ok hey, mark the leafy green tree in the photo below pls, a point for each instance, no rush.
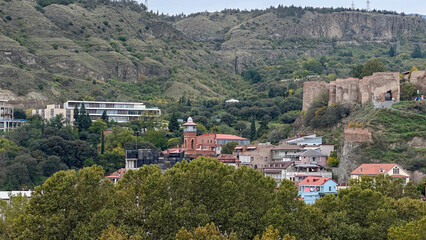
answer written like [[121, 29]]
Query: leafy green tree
[[417, 52], [51, 165], [68, 205], [240, 126], [415, 230], [251, 75], [19, 114], [372, 66], [173, 123], [98, 126], [290, 116], [173, 142], [158, 138], [314, 66], [408, 91], [356, 71], [229, 148]]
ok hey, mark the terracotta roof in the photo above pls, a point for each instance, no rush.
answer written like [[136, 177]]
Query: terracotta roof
[[173, 150], [373, 168], [317, 181], [226, 157], [229, 137]]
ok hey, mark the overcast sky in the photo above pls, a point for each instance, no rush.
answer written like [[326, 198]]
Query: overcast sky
[[192, 6]]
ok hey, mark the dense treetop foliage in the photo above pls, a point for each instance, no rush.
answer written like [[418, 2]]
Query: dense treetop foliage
[[206, 198]]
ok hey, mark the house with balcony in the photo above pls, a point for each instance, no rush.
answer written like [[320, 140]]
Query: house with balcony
[[374, 169], [306, 139], [228, 159], [313, 188], [137, 158], [294, 172], [312, 157], [7, 121]]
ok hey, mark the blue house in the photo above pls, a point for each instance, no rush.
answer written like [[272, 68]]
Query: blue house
[[312, 188]]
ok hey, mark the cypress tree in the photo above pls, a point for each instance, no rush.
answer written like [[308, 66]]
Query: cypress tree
[[417, 52], [102, 143], [173, 124], [105, 117], [84, 121], [252, 130], [76, 114]]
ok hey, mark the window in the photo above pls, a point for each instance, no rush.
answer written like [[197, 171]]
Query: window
[[396, 171], [329, 188]]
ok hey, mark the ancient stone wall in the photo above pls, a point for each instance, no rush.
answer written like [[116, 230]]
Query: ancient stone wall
[[353, 90], [311, 90], [357, 135], [383, 82], [347, 90], [418, 78]]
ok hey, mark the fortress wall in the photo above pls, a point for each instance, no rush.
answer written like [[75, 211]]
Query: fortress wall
[[347, 90], [418, 78], [357, 135], [381, 83], [311, 90], [364, 90]]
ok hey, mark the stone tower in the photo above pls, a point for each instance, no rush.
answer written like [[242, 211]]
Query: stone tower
[[189, 135]]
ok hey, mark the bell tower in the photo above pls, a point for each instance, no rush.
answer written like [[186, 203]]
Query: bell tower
[[189, 135]]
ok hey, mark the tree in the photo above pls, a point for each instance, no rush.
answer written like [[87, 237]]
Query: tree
[[408, 91], [76, 115], [51, 165], [227, 118], [104, 117], [253, 135], [229, 148], [372, 66], [290, 116], [415, 230], [240, 126], [392, 51], [356, 71], [314, 66], [19, 114], [173, 123], [251, 75], [83, 120], [158, 138], [98, 126], [417, 52]]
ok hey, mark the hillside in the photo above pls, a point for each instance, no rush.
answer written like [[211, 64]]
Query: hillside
[[118, 51]]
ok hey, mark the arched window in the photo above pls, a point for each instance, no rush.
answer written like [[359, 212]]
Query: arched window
[[185, 143], [192, 143]]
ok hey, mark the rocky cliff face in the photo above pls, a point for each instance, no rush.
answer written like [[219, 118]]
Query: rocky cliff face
[[58, 48]]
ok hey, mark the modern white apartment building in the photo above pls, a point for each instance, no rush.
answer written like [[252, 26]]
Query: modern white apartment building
[[120, 112], [7, 121]]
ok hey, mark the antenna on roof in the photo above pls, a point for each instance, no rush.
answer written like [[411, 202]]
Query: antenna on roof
[[353, 5], [368, 5]]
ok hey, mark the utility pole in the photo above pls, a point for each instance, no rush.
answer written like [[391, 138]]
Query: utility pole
[[146, 4], [368, 5], [353, 5]]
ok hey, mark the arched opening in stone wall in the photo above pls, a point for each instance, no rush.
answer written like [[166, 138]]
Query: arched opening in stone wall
[[388, 96], [192, 144]]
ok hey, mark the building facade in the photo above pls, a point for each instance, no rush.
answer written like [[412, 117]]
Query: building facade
[[119, 112], [313, 188], [7, 121], [374, 169]]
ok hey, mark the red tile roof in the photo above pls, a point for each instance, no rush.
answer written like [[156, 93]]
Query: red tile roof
[[317, 181], [229, 137], [373, 168]]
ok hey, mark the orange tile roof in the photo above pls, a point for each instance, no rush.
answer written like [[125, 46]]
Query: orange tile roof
[[317, 181], [373, 168], [229, 137]]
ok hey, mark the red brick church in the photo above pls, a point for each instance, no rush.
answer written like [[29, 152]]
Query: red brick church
[[207, 144]]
